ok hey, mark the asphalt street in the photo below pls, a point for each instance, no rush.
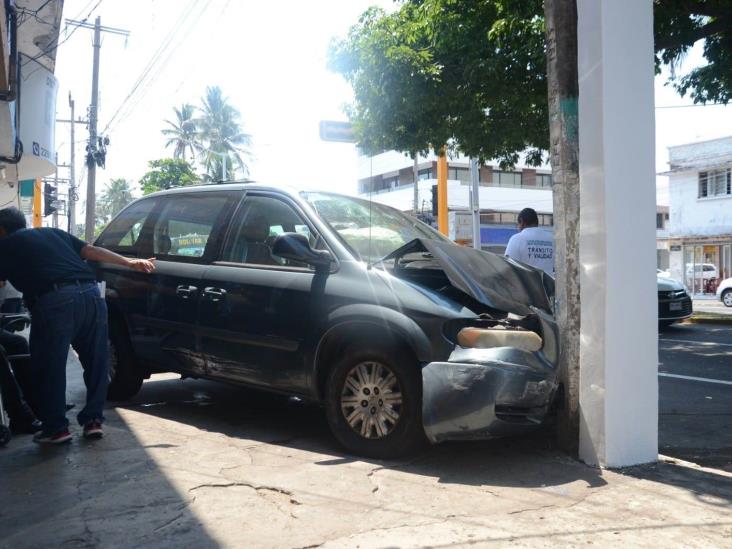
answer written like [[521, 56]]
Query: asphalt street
[[695, 393]]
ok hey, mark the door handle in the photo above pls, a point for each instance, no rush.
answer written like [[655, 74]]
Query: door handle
[[185, 292], [214, 294]]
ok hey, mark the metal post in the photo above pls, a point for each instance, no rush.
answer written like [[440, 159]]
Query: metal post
[[223, 167], [442, 222], [416, 185], [91, 163], [54, 215], [475, 202], [71, 199]]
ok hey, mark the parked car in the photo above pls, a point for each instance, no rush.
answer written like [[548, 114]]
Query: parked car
[[674, 301], [705, 271], [401, 334], [724, 291], [665, 274]]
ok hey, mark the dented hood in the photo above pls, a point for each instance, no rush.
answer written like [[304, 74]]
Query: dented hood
[[494, 280]]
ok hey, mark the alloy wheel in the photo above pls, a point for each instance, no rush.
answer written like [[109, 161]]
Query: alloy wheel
[[371, 400], [727, 298]]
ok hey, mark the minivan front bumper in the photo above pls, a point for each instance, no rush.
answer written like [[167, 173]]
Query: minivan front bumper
[[469, 399]]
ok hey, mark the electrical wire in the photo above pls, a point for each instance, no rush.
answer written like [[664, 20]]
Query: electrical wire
[[144, 80]]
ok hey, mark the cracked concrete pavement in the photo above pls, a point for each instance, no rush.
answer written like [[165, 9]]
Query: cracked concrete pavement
[[198, 464]]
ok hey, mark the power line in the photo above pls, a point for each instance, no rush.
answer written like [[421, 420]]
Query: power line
[[142, 84]]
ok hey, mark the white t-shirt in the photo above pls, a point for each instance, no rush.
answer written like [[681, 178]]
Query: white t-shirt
[[534, 246]]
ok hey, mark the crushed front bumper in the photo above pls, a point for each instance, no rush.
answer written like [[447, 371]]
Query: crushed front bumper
[[486, 393]]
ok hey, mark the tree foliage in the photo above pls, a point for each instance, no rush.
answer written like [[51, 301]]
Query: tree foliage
[[182, 134], [211, 133], [168, 173], [472, 73], [115, 196], [679, 24]]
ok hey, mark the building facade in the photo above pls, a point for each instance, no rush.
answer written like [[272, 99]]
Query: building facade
[[388, 178], [700, 213]]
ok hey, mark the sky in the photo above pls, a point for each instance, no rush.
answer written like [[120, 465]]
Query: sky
[[269, 58]]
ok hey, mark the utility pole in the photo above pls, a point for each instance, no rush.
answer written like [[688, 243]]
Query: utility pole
[[71, 206], [563, 85], [91, 156], [91, 197], [54, 215], [442, 222], [73, 195]]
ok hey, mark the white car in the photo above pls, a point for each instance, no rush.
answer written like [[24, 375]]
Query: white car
[[664, 274], [724, 291], [704, 271]]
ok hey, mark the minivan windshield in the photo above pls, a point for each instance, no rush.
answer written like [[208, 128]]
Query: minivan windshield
[[372, 230]]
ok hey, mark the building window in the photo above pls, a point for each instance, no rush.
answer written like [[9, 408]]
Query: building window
[[659, 221], [459, 174], [507, 179], [425, 174], [546, 220], [715, 183], [544, 180]]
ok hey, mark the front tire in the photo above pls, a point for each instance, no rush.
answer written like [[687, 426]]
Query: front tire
[[727, 298], [374, 403], [125, 378]]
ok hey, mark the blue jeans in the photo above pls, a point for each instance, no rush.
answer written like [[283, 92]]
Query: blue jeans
[[73, 315]]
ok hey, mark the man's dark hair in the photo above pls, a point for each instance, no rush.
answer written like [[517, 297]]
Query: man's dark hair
[[12, 219], [528, 217]]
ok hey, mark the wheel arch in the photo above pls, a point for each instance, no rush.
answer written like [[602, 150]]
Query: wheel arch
[[367, 324]]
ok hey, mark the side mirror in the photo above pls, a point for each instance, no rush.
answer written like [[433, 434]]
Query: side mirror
[[296, 247]]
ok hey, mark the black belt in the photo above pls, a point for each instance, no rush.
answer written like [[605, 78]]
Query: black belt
[[58, 285]]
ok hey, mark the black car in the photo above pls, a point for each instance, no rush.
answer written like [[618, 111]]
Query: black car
[[401, 334]]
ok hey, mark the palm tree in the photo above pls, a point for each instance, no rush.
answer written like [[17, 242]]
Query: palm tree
[[221, 135], [115, 196], [182, 134]]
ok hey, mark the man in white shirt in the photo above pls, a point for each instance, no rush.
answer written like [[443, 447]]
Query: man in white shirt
[[532, 245]]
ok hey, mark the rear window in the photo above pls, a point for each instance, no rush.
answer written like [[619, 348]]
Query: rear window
[[123, 232]]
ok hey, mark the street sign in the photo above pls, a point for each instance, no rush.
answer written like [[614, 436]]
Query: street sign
[[341, 132]]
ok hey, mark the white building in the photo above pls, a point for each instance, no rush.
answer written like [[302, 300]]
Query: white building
[[700, 204], [388, 178]]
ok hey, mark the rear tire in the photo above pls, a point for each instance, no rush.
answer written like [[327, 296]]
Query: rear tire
[[386, 427], [125, 379]]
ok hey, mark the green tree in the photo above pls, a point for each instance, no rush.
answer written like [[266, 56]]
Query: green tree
[[182, 134], [116, 195], [167, 173], [221, 135], [679, 24], [472, 74]]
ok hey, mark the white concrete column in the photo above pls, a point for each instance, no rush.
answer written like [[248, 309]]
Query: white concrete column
[[619, 353]]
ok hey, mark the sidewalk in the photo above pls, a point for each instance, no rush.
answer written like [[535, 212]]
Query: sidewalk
[[199, 464]]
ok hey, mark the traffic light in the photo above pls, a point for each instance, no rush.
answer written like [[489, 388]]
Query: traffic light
[[50, 198], [434, 200]]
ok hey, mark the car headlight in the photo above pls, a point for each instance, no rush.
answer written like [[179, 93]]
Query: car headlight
[[487, 338]]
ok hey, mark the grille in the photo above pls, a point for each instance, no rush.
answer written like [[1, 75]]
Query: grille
[[672, 294]]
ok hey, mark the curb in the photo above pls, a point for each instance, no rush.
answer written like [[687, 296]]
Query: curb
[[709, 319]]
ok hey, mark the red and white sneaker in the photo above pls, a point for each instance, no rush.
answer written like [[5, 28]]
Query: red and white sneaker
[[93, 429], [56, 438]]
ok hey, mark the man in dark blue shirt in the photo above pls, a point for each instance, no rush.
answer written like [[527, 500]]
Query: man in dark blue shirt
[[48, 266]]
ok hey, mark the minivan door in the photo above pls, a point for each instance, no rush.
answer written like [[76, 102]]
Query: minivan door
[[184, 238], [258, 312]]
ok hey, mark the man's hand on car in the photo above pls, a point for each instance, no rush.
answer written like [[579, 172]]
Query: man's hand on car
[[142, 265]]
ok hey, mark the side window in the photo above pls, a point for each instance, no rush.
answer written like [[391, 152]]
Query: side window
[[257, 226], [185, 224], [123, 233]]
